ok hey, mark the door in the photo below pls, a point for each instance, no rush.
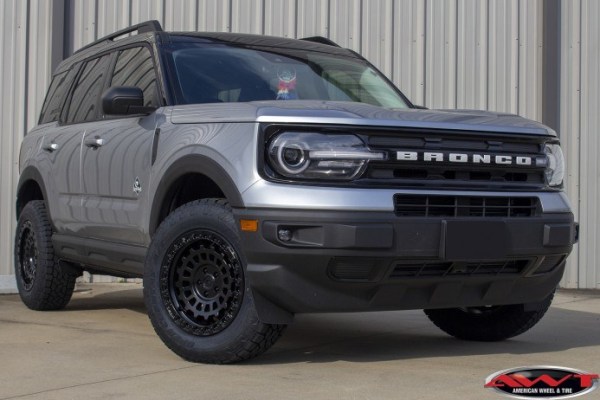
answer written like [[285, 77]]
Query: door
[[59, 158], [116, 158], [63, 144]]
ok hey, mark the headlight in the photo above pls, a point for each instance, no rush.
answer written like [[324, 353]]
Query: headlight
[[306, 155], [555, 170]]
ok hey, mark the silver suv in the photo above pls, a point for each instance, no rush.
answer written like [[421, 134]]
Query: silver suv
[[249, 178]]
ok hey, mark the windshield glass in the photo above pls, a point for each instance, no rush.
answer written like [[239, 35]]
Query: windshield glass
[[213, 73]]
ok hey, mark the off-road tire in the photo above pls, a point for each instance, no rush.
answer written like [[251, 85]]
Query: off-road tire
[[489, 324], [203, 228], [42, 282]]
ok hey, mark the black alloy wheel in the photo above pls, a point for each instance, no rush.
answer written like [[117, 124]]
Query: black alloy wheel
[[27, 255], [203, 284]]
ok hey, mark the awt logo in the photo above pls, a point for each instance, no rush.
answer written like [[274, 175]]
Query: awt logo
[[542, 382]]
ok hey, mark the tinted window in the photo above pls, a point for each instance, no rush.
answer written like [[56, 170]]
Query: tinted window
[[86, 95], [221, 73], [135, 68], [56, 94]]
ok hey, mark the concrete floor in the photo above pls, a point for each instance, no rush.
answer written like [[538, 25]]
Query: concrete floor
[[103, 347]]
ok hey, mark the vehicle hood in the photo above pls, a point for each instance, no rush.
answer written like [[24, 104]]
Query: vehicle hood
[[347, 113]]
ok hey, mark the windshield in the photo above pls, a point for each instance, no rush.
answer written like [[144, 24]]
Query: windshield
[[213, 73]]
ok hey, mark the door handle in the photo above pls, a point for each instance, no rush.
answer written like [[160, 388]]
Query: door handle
[[52, 147], [94, 143]]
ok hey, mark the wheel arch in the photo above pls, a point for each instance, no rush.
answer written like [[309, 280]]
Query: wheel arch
[[191, 165], [30, 187]]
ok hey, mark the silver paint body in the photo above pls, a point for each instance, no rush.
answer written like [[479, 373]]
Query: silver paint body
[[90, 190]]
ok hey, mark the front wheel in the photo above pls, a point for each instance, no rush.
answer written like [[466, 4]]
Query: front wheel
[[195, 291], [489, 324]]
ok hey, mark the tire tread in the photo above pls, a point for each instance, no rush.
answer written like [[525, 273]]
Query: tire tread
[[57, 285], [507, 322]]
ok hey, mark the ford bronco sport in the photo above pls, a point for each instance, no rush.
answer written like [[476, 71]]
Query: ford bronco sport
[[249, 178]]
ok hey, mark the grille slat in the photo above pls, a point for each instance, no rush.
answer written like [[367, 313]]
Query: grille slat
[[453, 142], [440, 269], [464, 206]]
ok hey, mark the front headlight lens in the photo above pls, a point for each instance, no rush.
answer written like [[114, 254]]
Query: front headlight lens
[[555, 170], [309, 155]]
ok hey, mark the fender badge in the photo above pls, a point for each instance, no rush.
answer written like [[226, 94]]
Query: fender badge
[[137, 186]]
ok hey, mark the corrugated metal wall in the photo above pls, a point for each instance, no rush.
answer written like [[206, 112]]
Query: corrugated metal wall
[[580, 121], [29, 49], [441, 53], [13, 21]]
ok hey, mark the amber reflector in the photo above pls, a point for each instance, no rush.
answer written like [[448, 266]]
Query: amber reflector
[[249, 225]]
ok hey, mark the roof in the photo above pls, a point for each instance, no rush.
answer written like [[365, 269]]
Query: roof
[[246, 39], [151, 31]]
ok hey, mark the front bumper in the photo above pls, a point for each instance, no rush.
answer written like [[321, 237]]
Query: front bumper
[[357, 261]]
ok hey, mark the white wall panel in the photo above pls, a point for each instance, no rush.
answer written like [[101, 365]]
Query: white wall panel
[[503, 55], [441, 53], [112, 15], [472, 54], [377, 27], [247, 16], [181, 15], [84, 20], [589, 191], [408, 58], [13, 86], [214, 15], [312, 18], [529, 86], [44, 52], [280, 18], [144, 10], [345, 23], [569, 120]]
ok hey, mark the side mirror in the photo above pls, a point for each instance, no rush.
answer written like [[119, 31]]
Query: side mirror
[[420, 107], [124, 100]]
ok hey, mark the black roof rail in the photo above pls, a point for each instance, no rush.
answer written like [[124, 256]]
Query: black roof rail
[[144, 27], [321, 40]]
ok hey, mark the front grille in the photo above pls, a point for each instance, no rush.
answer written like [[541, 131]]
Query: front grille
[[445, 173], [464, 206], [449, 176], [439, 269]]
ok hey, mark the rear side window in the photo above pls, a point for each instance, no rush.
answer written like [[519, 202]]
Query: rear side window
[[56, 94], [135, 67], [86, 95]]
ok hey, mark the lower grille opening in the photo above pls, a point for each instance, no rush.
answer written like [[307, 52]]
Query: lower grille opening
[[439, 269], [351, 270], [464, 206], [549, 263]]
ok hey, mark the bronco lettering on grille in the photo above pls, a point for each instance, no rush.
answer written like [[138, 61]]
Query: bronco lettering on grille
[[433, 157]]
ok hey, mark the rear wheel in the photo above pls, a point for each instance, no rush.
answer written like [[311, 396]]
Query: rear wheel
[[42, 282], [489, 324], [195, 291]]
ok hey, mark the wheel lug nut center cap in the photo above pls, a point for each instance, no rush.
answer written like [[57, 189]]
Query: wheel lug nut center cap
[[208, 282]]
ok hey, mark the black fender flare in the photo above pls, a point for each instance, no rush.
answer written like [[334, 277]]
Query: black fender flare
[[31, 173], [192, 163]]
